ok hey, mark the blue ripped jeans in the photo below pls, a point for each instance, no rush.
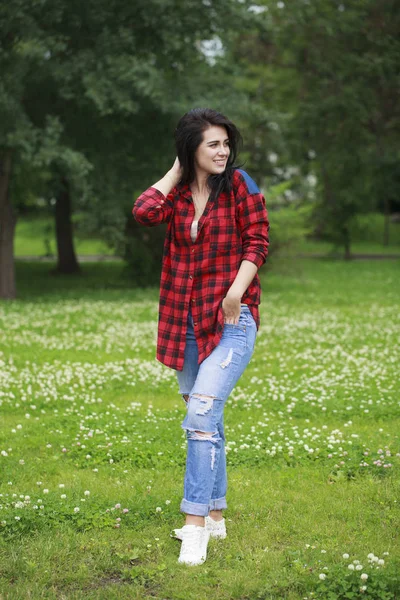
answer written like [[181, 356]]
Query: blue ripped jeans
[[208, 386]]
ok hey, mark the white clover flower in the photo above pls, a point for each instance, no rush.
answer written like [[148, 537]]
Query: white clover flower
[[168, 502], [364, 576], [381, 561], [45, 491], [363, 588], [63, 496], [17, 518], [87, 493], [359, 567], [351, 567], [322, 576], [371, 556], [346, 556], [158, 509], [61, 485], [76, 509]]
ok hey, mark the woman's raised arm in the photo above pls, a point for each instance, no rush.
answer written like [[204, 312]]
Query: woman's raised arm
[[155, 205]]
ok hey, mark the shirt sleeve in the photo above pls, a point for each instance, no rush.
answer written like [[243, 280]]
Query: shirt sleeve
[[253, 220], [153, 208]]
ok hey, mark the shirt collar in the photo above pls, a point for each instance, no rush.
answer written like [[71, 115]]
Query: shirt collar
[[184, 190]]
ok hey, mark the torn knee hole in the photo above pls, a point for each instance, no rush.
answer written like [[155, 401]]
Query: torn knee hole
[[205, 433], [205, 403], [203, 436]]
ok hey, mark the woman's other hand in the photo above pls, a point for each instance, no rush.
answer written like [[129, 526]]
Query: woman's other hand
[[231, 309]]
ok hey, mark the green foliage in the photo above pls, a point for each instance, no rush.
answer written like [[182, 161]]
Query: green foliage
[[373, 581], [321, 81], [369, 227]]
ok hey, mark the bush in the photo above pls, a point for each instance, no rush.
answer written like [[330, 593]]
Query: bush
[[143, 251], [369, 227], [289, 227]]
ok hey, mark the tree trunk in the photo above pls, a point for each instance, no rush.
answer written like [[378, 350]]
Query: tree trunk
[[67, 261], [386, 212], [347, 244], [7, 228]]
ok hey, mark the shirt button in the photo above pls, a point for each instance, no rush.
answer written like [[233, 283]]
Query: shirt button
[[192, 250], [192, 301], [195, 323], [190, 276]]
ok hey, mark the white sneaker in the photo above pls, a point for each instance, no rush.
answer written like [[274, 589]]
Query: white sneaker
[[194, 545], [217, 529]]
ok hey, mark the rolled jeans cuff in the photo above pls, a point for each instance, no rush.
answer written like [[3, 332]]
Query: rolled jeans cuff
[[194, 508], [218, 504]]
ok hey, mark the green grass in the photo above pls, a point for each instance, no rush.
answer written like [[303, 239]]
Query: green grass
[[35, 236], [85, 404], [310, 247]]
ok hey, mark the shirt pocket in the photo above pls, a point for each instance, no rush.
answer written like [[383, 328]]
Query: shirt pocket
[[224, 235]]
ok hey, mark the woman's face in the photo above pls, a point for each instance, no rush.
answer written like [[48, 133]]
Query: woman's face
[[212, 154]]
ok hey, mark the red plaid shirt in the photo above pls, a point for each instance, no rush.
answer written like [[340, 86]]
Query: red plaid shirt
[[198, 275]]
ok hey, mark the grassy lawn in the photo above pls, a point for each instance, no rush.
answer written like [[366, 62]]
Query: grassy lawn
[[35, 236], [310, 247], [92, 452]]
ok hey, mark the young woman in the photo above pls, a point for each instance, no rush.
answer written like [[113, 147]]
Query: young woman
[[217, 239]]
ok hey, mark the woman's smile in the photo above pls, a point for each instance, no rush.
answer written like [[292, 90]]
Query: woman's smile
[[213, 152]]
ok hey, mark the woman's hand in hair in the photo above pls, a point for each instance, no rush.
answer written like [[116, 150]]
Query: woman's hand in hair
[[176, 171], [231, 309], [170, 179]]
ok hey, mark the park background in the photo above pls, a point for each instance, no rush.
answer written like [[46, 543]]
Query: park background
[[92, 453]]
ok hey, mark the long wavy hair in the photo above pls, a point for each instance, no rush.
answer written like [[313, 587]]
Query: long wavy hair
[[188, 137]]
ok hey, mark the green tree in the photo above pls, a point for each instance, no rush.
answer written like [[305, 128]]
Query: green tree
[[76, 73], [323, 81]]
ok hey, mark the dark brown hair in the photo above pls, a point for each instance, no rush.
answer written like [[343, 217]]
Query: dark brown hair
[[188, 137]]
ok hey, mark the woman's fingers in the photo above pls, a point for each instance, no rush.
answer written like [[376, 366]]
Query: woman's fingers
[[176, 167], [231, 311]]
